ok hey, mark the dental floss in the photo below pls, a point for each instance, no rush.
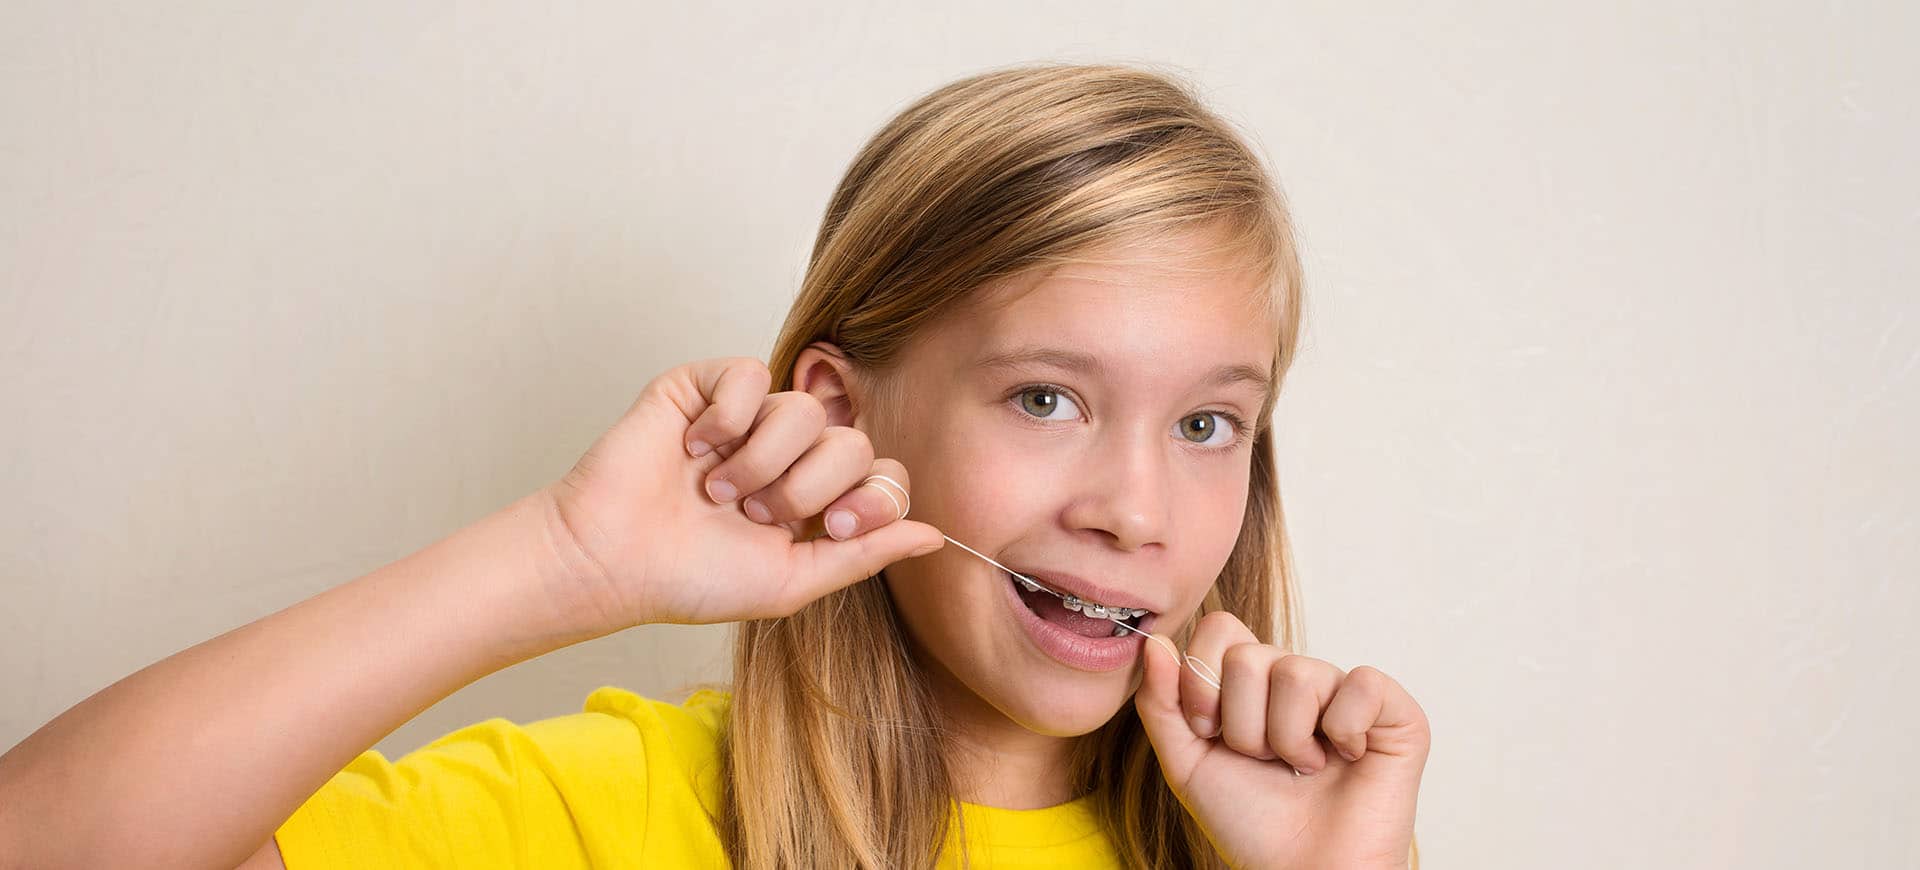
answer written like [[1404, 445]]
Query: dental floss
[[1200, 668]]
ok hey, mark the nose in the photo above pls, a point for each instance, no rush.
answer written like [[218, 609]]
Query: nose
[[1126, 484]]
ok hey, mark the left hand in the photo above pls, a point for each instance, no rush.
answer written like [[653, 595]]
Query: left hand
[[1358, 740]]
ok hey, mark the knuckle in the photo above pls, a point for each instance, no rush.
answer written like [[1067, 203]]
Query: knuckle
[[803, 404], [1368, 678], [1293, 670], [1421, 725], [1242, 661], [1302, 667], [851, 439], [750, 366], [1217, 620]]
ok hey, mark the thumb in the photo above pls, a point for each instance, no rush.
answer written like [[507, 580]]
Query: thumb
[[823, 564], [1158, 703]]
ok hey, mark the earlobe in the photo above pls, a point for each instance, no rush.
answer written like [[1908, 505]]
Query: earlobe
[[824, 372]]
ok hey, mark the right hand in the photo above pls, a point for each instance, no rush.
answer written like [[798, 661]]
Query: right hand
[[666, 542]]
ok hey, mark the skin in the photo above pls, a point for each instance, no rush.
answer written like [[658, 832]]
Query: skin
[[1106, 484], [708, 476], [1102, 484]]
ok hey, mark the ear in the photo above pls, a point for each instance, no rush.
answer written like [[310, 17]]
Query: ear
[[824, 372]]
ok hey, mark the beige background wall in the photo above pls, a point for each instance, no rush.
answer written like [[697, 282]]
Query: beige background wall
[[1602, 440]]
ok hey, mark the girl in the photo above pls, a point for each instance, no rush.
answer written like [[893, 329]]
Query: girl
[[1047, 317]]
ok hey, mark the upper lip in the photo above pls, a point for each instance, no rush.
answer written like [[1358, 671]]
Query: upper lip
[[1084, 589]]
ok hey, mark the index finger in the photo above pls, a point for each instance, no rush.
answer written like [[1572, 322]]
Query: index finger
[[733, 390], [1199, 699], [880, 499]]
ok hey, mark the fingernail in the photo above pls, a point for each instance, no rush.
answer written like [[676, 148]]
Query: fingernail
[[757, 511], [1348, 754], [1305, 771], [1202, 725], [840, 524], [699, 449], [721, 491]]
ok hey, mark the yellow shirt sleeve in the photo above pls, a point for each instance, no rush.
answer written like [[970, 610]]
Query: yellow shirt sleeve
[[629, 782]]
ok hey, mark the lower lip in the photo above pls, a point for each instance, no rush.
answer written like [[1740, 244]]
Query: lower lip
[[1093, 654]]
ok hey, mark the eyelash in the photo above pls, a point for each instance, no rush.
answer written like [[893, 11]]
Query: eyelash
[[1242, 430]]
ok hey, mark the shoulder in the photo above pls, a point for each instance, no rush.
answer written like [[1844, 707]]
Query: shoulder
[[700, 718], [621, 750], [677, 743], [625, 776]]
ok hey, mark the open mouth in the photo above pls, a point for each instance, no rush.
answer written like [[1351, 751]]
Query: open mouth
[[1085, 618]]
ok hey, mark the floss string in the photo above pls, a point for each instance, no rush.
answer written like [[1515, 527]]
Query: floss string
[[1200, 668]]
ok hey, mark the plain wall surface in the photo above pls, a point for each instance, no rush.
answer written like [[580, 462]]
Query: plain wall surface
[[1601, 439]]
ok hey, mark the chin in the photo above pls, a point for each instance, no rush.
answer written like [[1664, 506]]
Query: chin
[[1063, 704]]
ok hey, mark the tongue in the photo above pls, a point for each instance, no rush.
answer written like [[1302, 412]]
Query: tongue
[[1055, 611]]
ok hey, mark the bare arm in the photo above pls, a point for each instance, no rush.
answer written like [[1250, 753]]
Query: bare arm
[[168, 767], [195, 761], [268, 858]]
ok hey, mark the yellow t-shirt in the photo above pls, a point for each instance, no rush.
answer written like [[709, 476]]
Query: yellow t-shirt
[[629, 782]]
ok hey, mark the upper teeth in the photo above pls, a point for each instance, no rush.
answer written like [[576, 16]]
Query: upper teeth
[[1101, 611]]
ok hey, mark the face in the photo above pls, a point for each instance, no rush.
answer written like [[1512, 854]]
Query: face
[[1088, 427]]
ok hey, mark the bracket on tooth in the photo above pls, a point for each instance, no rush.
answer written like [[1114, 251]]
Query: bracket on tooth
[[1101, 611], [1029, 584]]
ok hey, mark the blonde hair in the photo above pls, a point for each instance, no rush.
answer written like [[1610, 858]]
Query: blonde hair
[[833, 755]]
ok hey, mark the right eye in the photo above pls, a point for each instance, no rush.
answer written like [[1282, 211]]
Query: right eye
[[1044, 402]]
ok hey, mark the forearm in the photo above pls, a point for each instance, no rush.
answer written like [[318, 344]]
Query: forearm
[[197, 759]]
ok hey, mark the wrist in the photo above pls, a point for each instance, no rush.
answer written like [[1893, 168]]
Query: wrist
[[522, 575], [564, 562], [574, 583]]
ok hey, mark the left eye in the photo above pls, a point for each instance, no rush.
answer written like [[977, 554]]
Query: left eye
[[1204, 427]]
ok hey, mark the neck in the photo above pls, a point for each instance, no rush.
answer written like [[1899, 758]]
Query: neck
[[994, 760]]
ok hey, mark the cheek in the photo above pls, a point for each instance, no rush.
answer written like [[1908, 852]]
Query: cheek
[[998, 498], [984, 492], [1209, 528], [980, 487]]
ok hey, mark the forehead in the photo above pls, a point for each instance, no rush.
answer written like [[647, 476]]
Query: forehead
[[1173, 306]]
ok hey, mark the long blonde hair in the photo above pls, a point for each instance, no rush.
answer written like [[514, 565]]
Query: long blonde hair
[[833, 754]]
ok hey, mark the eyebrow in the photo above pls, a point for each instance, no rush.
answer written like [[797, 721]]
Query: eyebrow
[[1088, 364]]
